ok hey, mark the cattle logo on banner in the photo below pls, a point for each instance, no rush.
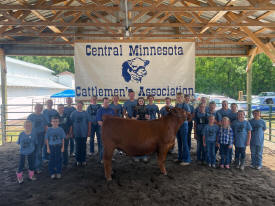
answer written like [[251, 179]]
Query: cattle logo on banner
[[159, 69]]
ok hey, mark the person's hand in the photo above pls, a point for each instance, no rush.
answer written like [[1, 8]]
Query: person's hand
[[48, 150], [230, 146], [204, 144], [62, 149], [195, 136], [67, 136], [218, 145], [137, 116], [248, 143]]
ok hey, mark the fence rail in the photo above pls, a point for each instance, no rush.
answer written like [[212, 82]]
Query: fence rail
[[17, 113]]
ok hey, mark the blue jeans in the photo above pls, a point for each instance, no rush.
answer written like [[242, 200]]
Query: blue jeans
[[45, 154], [183, 149], [230, 155], [211, 156], [224, 150], [80, 154], [30, 158], [239, 155], [201, 153], [72, 144], [96, 129], [66, 152], [55, 163], [38, 151], [256, 155], [190, 127]]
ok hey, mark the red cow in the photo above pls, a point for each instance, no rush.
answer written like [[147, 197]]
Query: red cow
[[137, 137]]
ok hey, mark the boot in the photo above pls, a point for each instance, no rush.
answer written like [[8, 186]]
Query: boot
[[31, 175], [20, 177]]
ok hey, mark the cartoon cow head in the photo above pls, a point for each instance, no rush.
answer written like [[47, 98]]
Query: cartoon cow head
[[134, 69]]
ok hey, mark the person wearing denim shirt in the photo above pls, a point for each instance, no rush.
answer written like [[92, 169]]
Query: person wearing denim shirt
[[118, 108], [257, 139], [81, 129], [39, 127], [210, 134], [27, 141], [225, 142], [104, 110], [242, 135], [95, 128], [182, 135], [163, 110], [201, 120], [190, 124], [129, 105], [68, 111], [55, 136], [152, 108]]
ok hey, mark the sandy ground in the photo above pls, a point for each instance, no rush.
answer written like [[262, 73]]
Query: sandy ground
[[140, 183]]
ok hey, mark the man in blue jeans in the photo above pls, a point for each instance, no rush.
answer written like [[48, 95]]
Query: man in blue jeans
[[104, 110], [92, 111], [182, 135]]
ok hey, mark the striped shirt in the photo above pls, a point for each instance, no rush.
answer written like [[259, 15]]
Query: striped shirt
[[225, 136]]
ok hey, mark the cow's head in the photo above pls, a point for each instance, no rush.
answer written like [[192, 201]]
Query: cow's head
[[179, 113], [134, 69]]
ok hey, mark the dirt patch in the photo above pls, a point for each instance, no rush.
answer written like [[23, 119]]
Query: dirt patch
[[139, 184]]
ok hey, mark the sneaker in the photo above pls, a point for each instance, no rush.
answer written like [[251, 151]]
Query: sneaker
[[209, 165], [38, 171], [101, 161], [176, 161], [214, 166], [145, 159], [31, 175], [90, 154], [136, 159], [84, 163], [20, 177], [113, 159], [77, 164], [259, 168], [252, 166], [222, 166], [238, 166], [227, 166], [53, 176], [58, 176], [242, 167], [184, 163]]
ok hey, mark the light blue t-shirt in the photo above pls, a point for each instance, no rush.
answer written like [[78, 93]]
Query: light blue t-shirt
[[257, 134], [27, 143], [118, 110], [163, 110], [38, 123], [129, 106], [49, 114], [55, 135], [92, 111], [153, 110], [104, 111], [68, 110], [80, 122], [240, 130], [223, 113], [211, 132]]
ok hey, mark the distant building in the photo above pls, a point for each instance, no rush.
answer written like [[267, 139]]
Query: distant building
[[66, 78], [31, 80]]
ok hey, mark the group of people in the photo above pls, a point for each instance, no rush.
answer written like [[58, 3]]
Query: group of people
[[54, 135]]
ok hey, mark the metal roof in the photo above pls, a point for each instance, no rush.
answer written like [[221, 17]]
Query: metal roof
[[219, 27]]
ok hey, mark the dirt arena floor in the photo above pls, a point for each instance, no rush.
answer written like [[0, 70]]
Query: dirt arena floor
[[139, 183]]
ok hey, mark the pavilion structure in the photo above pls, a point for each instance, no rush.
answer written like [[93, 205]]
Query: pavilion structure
[[218, 27]]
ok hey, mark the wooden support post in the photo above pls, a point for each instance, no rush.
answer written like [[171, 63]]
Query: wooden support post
[[3, 95], [249, 85]]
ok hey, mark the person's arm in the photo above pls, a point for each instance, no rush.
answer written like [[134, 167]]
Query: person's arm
[[158, 112], [204, 144], [48, 147], [231, 140], [62, 147], [89, 128], [248, 138], [147, 116], [195, 130]]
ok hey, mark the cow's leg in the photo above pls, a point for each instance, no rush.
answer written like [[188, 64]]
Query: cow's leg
[[161, 159], [107, 160]]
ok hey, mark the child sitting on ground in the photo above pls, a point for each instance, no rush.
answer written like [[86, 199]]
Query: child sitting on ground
[[210, 134], [55, 146], [27, 141], [242, 135], [225, 142], [257, 139]]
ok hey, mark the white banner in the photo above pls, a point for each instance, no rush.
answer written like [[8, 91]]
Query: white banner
[[161, 69]]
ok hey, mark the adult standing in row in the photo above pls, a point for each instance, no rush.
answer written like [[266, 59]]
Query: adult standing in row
[[190, 124], [129, 105]]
